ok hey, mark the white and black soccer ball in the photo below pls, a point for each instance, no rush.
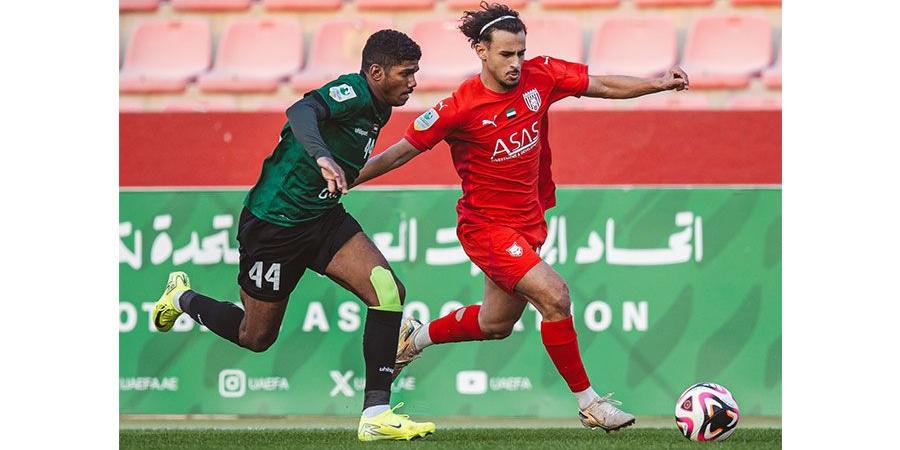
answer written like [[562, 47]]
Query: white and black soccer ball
[[707, 412]]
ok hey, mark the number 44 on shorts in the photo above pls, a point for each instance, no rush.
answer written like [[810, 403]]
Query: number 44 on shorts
[[273, 275]]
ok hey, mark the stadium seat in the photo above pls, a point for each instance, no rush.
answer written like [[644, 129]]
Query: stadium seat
[[756, 2], [413, 104], [192, 105], [579, 3], [210, 5], [585, 104], [254, 55], [392, 5], [468, 4], [336, 50], [772, 75], [130, 105], [275, 105], [747, 102], [302, 5], [673, 100], [559, 37], [164, 55], [447, 57], [725, 51], [138, 5], [638, 46], [674, 3]]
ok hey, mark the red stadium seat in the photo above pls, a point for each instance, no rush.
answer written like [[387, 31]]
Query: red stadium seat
[[756, 2], [254, 55], [191, 105], [164, 55], [579, 3], [725, 51], [772, 76], [673, 100], [447, 57], [559, 37], [469, 4], [210, 5], [302, 5], [336, 50], [138, 5], [638, 46], [392, 5], [676, 3], [748, 102]]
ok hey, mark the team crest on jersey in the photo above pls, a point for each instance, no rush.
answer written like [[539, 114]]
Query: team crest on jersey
[[514, 250], [342, 92], [532, 100], [426, 120]]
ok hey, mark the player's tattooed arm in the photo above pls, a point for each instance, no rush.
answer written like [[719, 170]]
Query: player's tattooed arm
[[386, 161], [304, 117], [621, 86]]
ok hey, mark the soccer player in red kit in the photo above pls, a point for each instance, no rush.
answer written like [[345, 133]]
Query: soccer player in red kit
[[496, 126]]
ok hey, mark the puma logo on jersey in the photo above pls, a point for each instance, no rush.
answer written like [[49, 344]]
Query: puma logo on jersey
[[489, 122], [516, 143]]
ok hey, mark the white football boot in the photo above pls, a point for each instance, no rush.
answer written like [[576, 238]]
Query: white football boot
[[603, 413], [406, 347]]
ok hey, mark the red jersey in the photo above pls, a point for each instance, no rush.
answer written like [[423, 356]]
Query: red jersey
[[499, 143]]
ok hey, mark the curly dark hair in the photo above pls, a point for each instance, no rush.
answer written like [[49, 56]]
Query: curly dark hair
[[388, 48], [473, 21]]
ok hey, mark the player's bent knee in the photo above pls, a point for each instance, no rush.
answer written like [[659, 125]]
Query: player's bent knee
[[558, 305], [258, 342], [496, 331], [389, 291]]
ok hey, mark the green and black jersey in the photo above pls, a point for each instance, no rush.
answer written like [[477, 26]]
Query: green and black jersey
[[290, 189]]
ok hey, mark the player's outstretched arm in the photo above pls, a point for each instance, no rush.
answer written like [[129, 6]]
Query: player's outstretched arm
[[386, 161], [304, 117], [621, 86]]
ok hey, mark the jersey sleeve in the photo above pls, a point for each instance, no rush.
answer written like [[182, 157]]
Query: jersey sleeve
[[571, 79], [433, 125], [341, 97]]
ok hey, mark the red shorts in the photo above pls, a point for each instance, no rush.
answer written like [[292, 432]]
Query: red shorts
[[502, 253]]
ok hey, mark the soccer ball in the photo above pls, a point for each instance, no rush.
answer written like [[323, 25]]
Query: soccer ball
[[707, 412]]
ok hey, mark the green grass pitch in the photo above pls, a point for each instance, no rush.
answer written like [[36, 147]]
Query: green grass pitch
[[459, 438]]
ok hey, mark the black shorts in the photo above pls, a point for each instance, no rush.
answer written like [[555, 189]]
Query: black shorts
[[273, 257]]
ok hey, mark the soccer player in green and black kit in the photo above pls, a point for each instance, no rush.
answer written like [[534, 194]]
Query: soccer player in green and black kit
[[293, 220]]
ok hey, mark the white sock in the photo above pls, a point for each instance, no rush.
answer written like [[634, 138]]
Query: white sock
[[422, 339], [373, 411], [177, 300], [585, 397]]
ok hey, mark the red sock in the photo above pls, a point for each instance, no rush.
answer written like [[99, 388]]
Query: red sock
[[562, 345], [458, 326]]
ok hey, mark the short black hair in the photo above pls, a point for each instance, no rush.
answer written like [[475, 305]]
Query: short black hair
[[388, 48], [474, 21]]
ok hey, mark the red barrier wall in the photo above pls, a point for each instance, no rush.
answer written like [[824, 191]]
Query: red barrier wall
[[604, 148]]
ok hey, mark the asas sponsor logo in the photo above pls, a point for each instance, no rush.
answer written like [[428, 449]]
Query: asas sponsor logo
[[477, 382], [517, 143], [148, 384], [233, 383], [347, 385]]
